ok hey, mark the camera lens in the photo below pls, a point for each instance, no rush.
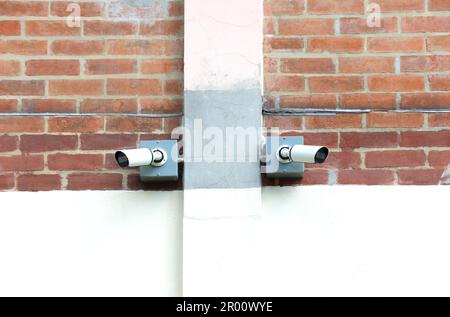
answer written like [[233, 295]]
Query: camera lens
[[321, 155], [122, 159]]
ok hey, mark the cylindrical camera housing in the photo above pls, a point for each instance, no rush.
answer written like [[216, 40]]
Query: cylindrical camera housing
[[308, 154], [134, 158]]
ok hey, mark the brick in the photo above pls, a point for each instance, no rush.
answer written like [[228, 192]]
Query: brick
[[19, 8], [146, 10], [336, 84], [306, 26], [439, 82], [8, 143], [270, 64], [270, 102], [111, 163], [131, 87], [173, 47], [22, 163], [50, 28], [163, 106], [425, 101], [284, 83], [173, 87], [365, 177], [92, 87], [395, 44], [41, 182], [439, 5], [48, 106], [421, 24], [23, 47], [311, 177], [87, 9], [361, 65], [110, 66], [287, 44], [334, 122], [6, 181], [283, 122], [335, 45], [339, 160], [394, 120], [439, 158], [353, 140], [162, 66], [47, 143], [109, 28], [308, 65], [21, 124], [133, 124], [425, 63], [163, 27], [439, 43], [9, 68], [9, 28], [22, 87], [368, 101], [401, 5], [269, 26], [176, 8], [283, 7], [439, 119], [78, 47], [395, 158], [425, 138], [75, 162], [8, 105], [329, 139], [43, 67], [336, 7], [75, 124], [419, 177], [396, 83], [170, 124], [360, 26], [94, 181], [309, 101], [108, 106], [108, 141]]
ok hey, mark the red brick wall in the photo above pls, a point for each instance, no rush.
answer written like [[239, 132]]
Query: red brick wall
[[121, 61], [319, 55]]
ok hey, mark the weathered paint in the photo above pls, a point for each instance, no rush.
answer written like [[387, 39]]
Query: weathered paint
[[138, 9], [223, 49], [222, 196], [227, 166]]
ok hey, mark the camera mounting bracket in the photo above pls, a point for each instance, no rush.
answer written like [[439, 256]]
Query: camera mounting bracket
[[274, 168], [166, 172]]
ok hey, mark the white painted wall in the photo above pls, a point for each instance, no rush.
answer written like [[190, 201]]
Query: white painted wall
[[90, 244], [357, 240], [326, 241], [320, 240]]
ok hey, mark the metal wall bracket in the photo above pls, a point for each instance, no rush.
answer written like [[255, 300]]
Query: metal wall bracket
[[167, 172], [275, 169]]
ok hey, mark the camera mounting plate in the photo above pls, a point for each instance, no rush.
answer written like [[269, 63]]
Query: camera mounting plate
[[166, 172], [274, 168]]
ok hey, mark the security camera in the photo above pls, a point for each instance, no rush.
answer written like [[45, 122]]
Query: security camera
[[302, 154], [141, 157]]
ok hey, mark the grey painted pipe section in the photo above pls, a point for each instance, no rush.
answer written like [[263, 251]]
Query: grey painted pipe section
[[221, 110]]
